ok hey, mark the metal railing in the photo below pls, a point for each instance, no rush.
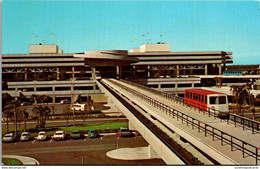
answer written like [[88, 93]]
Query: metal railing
[[237, 120], [234, 142]]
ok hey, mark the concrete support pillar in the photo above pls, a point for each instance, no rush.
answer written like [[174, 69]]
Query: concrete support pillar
[[119, 72], [73, 98], [178, 70], [159, 86], [192, 85], [53, 88], [94, 87], [72, 87], [53, 99], [25, 74], [34, 89], [206, 70], [73, 72], [176, 89], [58, 73], [219, 69], [134, 71], [131, 126], [93, 73], [148, 71], [152, 153]]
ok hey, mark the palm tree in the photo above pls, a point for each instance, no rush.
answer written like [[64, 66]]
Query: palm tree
[[25, 116], [12, 106], [34, 98], [42, 112], [240, 94], [45, 98], [8, 114]]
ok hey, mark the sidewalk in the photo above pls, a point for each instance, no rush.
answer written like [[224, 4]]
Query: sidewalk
[[136, 153], [25, 160]]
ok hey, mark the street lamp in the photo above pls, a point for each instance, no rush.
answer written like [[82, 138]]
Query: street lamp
[[73, 113]]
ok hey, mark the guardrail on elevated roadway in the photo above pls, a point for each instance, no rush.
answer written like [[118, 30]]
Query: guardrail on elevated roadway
[[234, 142], [237, 120]]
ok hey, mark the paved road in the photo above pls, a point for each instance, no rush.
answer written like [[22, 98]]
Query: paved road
[[92, 151]]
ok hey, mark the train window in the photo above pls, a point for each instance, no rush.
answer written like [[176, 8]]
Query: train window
[[206, 101], [222, 100], [202, 99], [213, 100], [195, 97]]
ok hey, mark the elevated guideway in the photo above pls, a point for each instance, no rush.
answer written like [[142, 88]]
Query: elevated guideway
[[160, 143], [226, 141]]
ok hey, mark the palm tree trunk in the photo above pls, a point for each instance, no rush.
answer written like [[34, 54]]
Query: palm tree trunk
[[24, 124], [15, 121], [7, 125]]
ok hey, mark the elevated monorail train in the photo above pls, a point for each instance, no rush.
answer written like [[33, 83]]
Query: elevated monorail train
[[207, 100]]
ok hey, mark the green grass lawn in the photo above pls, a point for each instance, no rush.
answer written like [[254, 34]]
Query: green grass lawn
[[11, 161], [97, 126]]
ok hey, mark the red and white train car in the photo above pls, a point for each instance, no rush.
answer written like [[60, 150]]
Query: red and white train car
[[204, 99]]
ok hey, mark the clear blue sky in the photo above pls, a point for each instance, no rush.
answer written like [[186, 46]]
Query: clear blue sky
[[95, 25]]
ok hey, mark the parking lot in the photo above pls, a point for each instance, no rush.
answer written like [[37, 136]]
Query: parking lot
[[88, 151], [59, 108]]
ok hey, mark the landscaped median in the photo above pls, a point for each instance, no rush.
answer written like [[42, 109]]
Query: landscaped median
[[18, 160], [11, 161]]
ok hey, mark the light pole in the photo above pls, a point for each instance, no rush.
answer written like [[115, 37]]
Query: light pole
[[73, 114]]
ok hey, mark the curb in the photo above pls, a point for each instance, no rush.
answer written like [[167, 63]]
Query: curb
[[25, 160]]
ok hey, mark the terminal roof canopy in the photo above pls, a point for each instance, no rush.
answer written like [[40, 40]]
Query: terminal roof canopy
[[107, 58]]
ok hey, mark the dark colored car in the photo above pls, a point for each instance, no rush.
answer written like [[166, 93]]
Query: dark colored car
[[92, 133], [125, 132], [77, 134]]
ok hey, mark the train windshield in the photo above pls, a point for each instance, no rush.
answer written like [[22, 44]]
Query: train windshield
[[217, 100], [222, 100]]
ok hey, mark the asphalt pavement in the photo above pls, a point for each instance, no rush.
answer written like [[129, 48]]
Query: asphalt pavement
[[89, 151]]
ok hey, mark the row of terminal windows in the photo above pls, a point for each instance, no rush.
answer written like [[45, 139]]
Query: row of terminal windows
[[173, 85], [56, 88]]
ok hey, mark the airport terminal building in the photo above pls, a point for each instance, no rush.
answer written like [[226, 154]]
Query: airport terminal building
[[47, 70]]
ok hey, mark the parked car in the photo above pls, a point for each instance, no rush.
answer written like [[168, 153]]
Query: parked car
[[59, 135], [77, 134], [66, 101], [125, 132], [25, 103], [10, 137], [78, 107], [92, 133], [41, 136], [25, 136]]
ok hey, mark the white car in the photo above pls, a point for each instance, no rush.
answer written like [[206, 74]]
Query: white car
[[66, 101], [25, 136], [59, 135], [78, 107], [9, 137], [41, 136]]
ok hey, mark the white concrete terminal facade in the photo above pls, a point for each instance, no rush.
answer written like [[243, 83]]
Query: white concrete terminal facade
[[46, 63]]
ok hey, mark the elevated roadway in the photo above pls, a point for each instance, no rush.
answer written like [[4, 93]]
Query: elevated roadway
[[222, 141]]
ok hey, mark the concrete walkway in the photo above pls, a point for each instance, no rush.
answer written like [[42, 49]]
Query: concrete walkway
[[137, 153], [25, 160]]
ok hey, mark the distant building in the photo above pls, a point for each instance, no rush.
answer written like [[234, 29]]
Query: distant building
[[47, 70]]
